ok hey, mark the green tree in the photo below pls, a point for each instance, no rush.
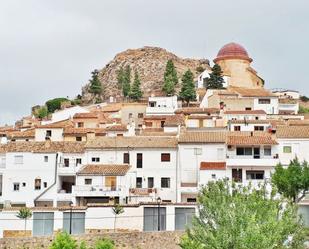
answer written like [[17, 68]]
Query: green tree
[[293, 181], [120, 76], [42, 112], [95, 85], [104, 244], [170, 78], [63, 241], [200, 69], [24, 213], [136, 92], [215, 80], [55, 104], [126, 81], [187, 92], [237, 217], [117, 210]]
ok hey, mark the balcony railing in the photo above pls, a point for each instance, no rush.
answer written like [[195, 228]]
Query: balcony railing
[[96, 188], [250, 161], [143, 191]]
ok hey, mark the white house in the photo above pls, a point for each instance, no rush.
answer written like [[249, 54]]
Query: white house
[[162, 105]]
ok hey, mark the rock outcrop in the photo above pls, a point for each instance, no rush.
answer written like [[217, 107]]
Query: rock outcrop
[[150, 63]]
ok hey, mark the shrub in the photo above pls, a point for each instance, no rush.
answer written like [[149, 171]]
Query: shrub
[[63, 241], [200, 69], [83, 245], [42, 112], [54, 104], [104, 244]]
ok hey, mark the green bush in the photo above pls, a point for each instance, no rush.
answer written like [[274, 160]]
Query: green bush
[[54, 104], [303, 109], [104, 244], [42, 112], [63, 241], [83, 245]]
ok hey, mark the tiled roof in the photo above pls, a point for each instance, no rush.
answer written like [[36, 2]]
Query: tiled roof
[[248, 112], [174, 120], [43, 147], [155, 117], [83, 131], [158, 134], [104, 169], [250, 138], [132, 142], [203, 137], [60, 124], [30, 133], [196, 110], [252, 92], [253, 121], [85, 115], [200, 117], [117, 128], [292, 131], [212, 166], [298, 122]]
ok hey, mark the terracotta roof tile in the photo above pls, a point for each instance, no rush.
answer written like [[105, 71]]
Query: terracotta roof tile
[[253, 121], [292, 132], [250, 138], [85, 115], [43, 147], [252, 92], [104, 169], [196, 110], [174, 120], [133, 142], [248, 112], [30, 133], [60, 124], [83, 131], [203, 137], [117, 128], [212, 166]]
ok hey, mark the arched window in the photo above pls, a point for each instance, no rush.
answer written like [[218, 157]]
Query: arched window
[[37, 183]]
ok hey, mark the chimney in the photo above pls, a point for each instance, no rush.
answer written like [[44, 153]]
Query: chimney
[[90, 135]]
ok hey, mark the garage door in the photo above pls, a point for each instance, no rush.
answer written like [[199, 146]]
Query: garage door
[[151, 219], [43, 223], [78, 222], [183, 218]]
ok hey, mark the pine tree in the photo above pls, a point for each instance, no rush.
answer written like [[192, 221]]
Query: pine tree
[[136, 92], [120, 77], [215, 80], [95, 84], [170, 78], [187, 92], [126, 85]]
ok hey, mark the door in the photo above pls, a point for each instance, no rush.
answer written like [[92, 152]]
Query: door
[[111, 182], [150, 182], [183, 218], [78, 222], [237, 175], [43, 223], [151, 219], [256, 152]]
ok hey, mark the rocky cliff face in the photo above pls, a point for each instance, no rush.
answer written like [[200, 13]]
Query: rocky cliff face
[[150, 63]]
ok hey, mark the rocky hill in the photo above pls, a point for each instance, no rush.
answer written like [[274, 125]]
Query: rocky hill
[[150, 63]]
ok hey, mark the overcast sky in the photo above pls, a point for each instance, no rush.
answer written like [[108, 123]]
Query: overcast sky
[[48, 48]]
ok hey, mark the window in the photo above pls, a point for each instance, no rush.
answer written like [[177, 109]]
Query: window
[[37, 184], [78, 161], [248, 108], [267, 151], [130, 115], [244, 151], [264, 101], [287, 149], [18, 159], [165, 157], [198, 151], [95, 159], [45, 159], [220, 153], [88, 181], [80, 124], [150, 182], [152, 104], [24, 184], [78, 139], [139, 160], [237, 128], [162, 124], [139, 182], [259, 128], [45, 184], [213, 176], [66, 162], [165, 182], [48, 133], [191, 199], [255, 175], [126, 158], [16, 186], [140, 115], [148, 124]]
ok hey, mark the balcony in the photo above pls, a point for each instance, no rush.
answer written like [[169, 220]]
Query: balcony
[[244, 161], [142, 191], [68, 169], [91, 190]]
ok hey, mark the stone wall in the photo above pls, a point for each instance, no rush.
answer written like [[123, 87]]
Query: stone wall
[[129, 240]]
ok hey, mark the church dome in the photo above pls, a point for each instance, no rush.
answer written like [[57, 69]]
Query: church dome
[[232, 51]]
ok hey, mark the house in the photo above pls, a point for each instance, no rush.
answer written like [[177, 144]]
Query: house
[[195, 151], [65, 114], [52, 131], [162, 105]]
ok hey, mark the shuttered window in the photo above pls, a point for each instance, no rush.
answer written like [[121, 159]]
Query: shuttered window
[[165, 157]]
